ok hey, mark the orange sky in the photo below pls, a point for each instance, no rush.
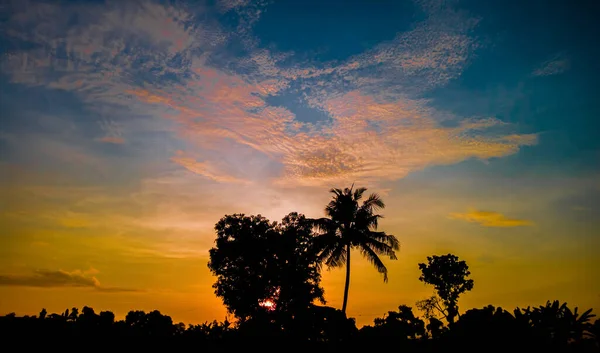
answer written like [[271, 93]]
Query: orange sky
[[127, 134], [159, 248]]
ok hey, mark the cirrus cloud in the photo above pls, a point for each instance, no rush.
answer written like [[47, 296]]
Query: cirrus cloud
[[378, 128], [556, 64]]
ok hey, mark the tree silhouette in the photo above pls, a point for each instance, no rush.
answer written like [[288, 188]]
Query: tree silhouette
[[265, 267], [435, 327], [402, 324], [448, 276], [553, 327], [153, 324], [73, 315], [558, 323], [107, 317], [298, 272], [350, 225], [478, 327]]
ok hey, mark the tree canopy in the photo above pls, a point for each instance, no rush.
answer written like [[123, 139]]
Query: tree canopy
[[448, 275], [264, 266], [349, 225]]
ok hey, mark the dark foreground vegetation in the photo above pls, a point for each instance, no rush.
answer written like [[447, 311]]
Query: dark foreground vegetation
[[551, 327], [268, 276]]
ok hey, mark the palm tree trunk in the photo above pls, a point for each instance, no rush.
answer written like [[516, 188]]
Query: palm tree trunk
[[347, 285]]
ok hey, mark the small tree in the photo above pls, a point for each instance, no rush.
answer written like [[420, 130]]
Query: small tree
[[448, 276]]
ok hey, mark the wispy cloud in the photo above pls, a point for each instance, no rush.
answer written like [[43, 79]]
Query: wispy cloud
[[207, 169], [60, 278], [197, 137], [113, 132], [556, 64], [379, 129], [490, 219]]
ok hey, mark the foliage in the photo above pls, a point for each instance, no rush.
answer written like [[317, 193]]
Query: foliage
[[448, 275], [402, 324], [268, 277], [262, 266], [352, 225], [558, 322], [551, 327]]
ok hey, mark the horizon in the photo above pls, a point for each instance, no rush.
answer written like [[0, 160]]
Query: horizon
[[128, 129]]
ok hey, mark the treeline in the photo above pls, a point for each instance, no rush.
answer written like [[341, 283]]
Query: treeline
[[550, 327]]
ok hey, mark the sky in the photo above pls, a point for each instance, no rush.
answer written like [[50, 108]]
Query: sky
[[129, 128]]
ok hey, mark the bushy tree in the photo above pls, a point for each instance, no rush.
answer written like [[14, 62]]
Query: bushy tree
[[263, 267]]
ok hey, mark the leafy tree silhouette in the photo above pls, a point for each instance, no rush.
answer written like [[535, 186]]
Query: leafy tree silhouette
[[152, 324], [553, 327], [448, 275], [435, 327], [107, 318], [401, 324], [265, 269], [73, 315], [353, 225], [558, 324], [476, 328]]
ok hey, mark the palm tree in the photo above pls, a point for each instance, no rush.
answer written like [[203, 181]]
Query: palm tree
[[350, 225]]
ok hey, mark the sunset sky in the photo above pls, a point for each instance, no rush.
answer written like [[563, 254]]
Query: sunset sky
[[128, 128]]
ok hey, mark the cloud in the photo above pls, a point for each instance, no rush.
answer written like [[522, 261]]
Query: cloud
[[371, 138], [368, 137], [60, 278], [165, 62], [555, 65], [206, 169], [490, 219], [226, 5], [112, 139], [113, 132]]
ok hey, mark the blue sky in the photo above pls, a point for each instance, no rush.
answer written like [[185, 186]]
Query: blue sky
[[129, 128]]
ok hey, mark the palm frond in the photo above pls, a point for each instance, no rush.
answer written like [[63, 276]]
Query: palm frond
[[379, 247], [373, 202], [338, 192], [358, 193], [324, 253], [385, 238], [321, 225], [375, 261], [367, 220], [337, 257]]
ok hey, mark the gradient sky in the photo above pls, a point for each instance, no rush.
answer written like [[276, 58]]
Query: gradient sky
[[128, 128]]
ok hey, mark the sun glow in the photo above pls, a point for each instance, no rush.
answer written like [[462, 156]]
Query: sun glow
[[267, 304], [270, 303]]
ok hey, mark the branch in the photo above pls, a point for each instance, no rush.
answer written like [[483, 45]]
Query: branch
[[440, 309]]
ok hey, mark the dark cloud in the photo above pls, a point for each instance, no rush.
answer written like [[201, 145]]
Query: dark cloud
[[60, 278]]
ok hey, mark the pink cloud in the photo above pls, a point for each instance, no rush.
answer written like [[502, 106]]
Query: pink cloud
[[370, 138], [376, 133], [112, 139], [207, 169]]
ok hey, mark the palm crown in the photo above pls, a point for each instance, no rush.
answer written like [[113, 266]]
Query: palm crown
[[353, 225]]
